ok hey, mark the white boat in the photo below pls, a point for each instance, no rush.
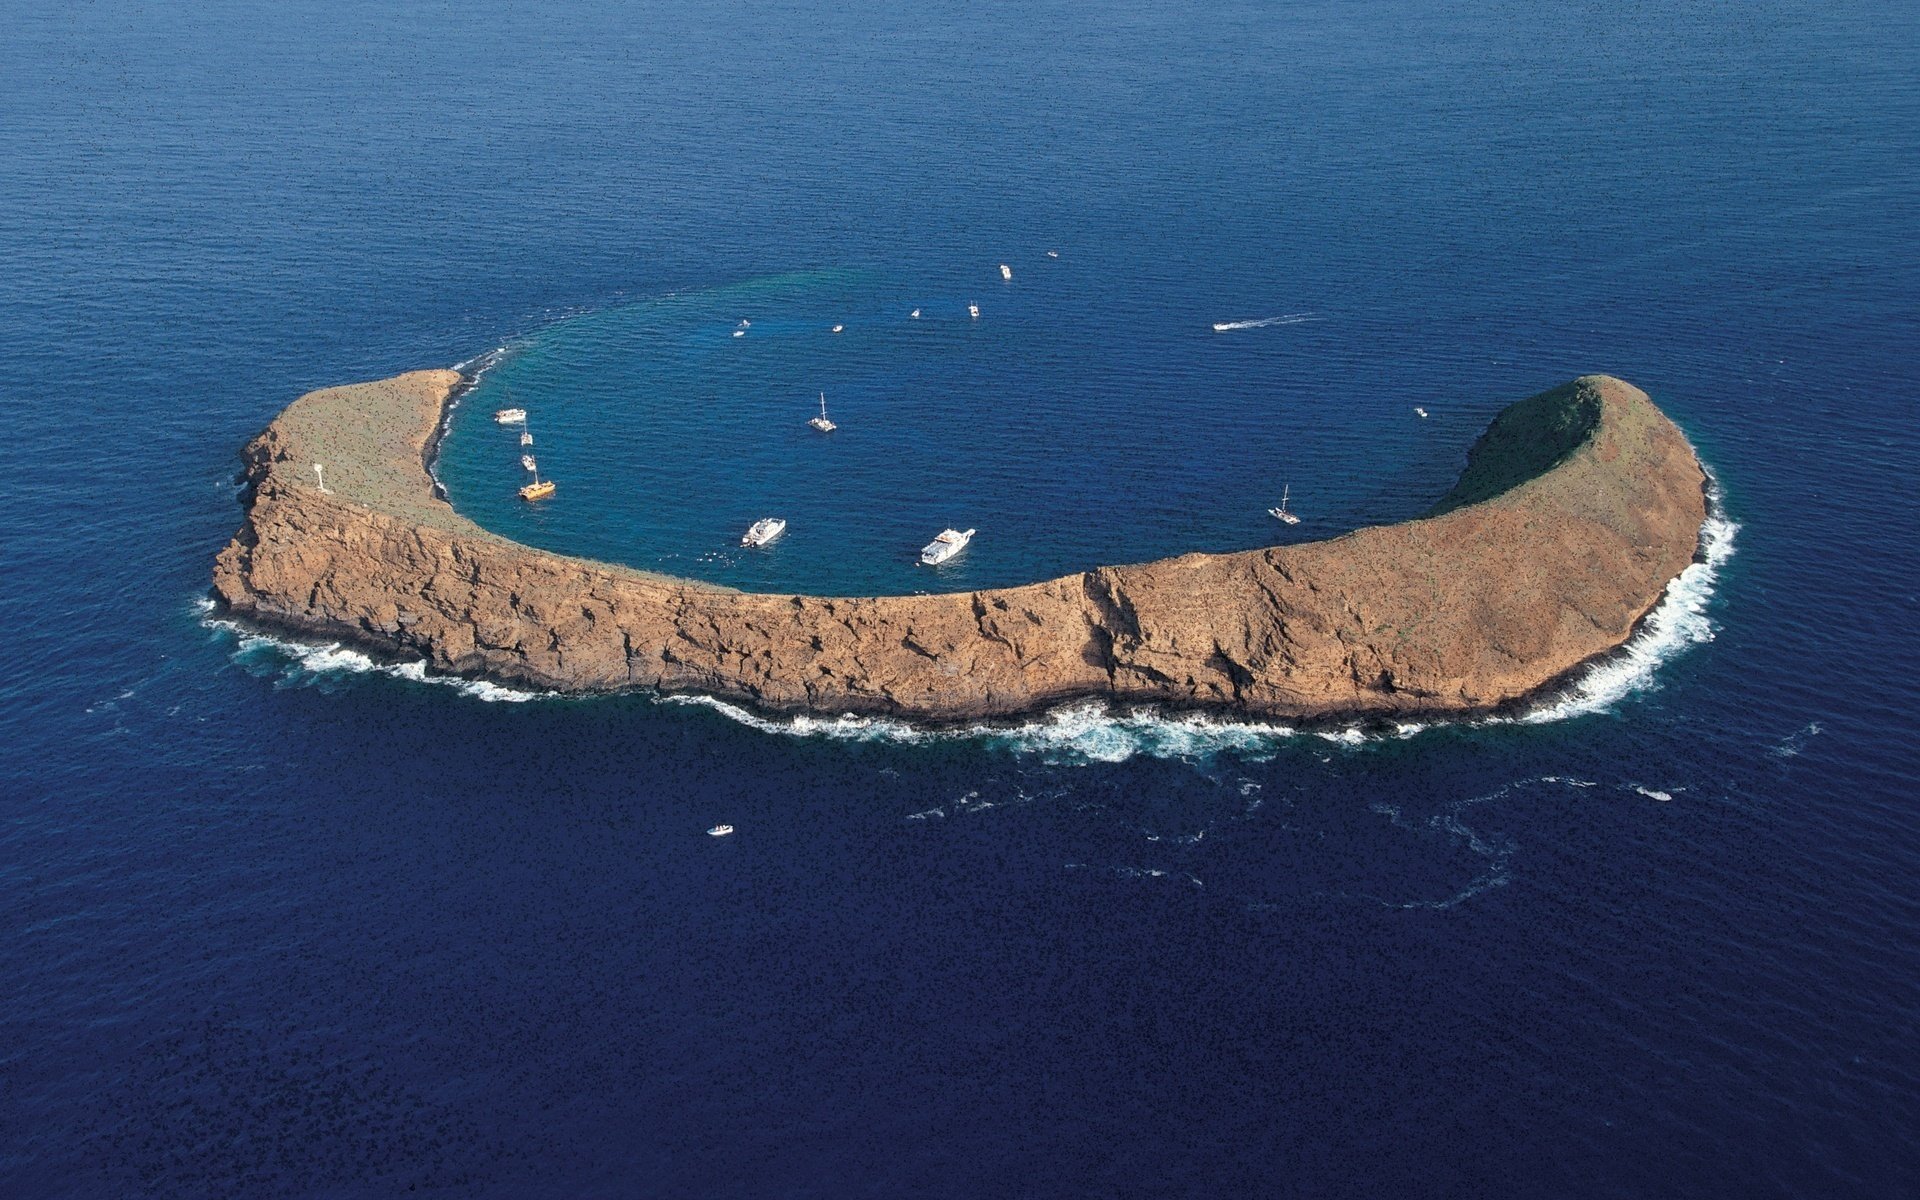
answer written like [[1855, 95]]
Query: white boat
[[739, 333], [720, 831], [1006, 272], [1221, 326], [838, 328], [745, 324], [511, 416], [1421, 411], [1281, 512], [973, 310], [940, 549], [526, 460], [916, 314], [820, 422], [526, 439], [1053, 254], [763, 531]]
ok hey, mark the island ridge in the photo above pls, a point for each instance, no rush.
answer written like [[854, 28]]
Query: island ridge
[[1576, 509]]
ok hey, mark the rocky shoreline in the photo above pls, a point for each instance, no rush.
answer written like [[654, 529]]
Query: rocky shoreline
[[1576, 509]]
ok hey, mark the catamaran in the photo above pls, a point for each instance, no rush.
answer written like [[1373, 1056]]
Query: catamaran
[[763, 531], [821, 422], [940, 549], [540, 488], [511, 416], [973, 310], [1281, 512], [526, 439]]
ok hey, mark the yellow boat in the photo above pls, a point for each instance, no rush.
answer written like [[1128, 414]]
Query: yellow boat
[[537, 491]]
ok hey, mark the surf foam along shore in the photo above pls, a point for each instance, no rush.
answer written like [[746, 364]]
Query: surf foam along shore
[[1576, 510]]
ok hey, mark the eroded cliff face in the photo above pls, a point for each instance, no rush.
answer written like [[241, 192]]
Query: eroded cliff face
[[1576, 510]]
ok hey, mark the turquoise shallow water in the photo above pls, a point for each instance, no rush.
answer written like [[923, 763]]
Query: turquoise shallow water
[[1090, 415]]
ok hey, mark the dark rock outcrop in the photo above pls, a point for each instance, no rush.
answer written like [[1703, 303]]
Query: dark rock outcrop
[[1576, 509]]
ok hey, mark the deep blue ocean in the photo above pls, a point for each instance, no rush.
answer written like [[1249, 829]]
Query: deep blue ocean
[[280, 920]]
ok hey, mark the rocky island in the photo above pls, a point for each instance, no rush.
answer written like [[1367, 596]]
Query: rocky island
[[1576, 509]]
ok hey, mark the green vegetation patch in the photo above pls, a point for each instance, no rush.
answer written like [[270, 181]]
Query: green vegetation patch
[[1525, 441]]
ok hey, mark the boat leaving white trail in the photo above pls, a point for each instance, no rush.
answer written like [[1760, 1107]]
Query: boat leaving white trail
[[763, 531], [1264, 322]]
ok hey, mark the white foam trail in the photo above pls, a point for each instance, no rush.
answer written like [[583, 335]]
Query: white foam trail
[[1264, 322]]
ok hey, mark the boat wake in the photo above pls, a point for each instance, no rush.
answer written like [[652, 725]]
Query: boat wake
[[1087, 732], [1299, 318]]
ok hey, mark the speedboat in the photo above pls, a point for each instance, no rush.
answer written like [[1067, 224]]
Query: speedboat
[[1006, 272], [1221, 326], [720, 831], [940, 549], [916, 314], [511, 416], [763, 531], [739, 333], [821, 422], [838, 328], [1053, 254]]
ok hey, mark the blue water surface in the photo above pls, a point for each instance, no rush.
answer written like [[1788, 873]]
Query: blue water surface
[[279, 920]]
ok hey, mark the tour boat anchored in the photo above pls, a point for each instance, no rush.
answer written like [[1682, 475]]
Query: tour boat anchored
[[940, 549], [821, 422], [973, 310], [720, 831], [540, 488], [526, 460], [763, 531], [511, 416], [1282, 512]]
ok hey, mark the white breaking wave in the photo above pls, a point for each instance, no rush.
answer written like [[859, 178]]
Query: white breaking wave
[[1263, 322], [1092, 731], [1680, 620]]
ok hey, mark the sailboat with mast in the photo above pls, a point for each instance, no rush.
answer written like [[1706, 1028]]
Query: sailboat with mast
[[540, 488], [821, 422], [1281, 512]]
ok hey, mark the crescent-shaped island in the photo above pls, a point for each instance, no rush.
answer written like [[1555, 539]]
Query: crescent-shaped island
[[1576, 509]]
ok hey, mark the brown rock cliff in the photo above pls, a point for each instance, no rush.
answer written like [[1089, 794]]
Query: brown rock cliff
[[1576, 509]]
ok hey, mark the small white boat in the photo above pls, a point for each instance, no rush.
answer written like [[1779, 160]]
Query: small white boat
[[526, 439], [821, 422], [973, 310], [1421, 411], [1281, 512], [1006, 272], [739, 333], [526, 460], [1221, 326], [838, 328], [1053, 254], [745, 324], [511, 416], [720, 831], [763, 531], [916, 314], [940, 549]]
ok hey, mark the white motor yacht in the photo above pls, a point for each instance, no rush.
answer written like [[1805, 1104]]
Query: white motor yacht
[[511, 416], [763, 531], [720, 831], [940, 549]]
